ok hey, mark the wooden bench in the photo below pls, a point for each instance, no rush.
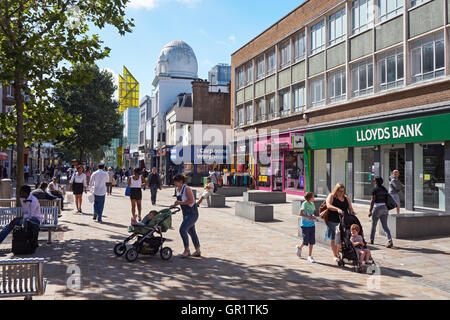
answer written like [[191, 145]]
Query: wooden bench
[[49, 218], [22, 277]]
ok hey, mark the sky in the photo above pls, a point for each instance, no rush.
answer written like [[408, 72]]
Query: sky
[[213, 28]]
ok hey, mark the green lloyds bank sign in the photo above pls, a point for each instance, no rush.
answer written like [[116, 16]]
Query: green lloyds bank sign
[[426, 129]]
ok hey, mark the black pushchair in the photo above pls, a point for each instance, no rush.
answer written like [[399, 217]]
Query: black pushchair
[[348, 254]]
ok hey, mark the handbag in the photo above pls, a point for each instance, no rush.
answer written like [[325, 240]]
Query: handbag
[[128, 192], [390, 202], [323, 212]]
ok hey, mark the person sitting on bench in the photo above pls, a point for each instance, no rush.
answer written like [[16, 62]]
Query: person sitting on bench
[[31, 211], [208, 191]]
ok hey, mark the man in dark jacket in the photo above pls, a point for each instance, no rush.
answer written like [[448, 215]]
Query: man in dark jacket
[[154, 182]]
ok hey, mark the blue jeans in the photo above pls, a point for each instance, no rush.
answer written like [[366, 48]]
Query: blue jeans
[[190, 217], [99, 204], [382, 214], [154, 192], [6, 230]]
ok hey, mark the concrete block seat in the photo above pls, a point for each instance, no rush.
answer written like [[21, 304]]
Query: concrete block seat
[[417, 225], [265, 197], [232, 191], [296, 206], [254, 211], [216, 201]]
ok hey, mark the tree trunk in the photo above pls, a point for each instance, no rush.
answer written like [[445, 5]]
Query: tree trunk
[[81, 156], [20, 139]]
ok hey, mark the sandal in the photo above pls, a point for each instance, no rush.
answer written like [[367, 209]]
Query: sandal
[[197, 254], [185, 255]]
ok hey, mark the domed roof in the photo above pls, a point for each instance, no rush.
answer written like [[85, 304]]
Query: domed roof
[[177, 59]]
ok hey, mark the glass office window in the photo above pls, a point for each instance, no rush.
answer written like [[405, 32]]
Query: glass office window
[[285, 54], [362, 78], [337, 27], [320, 173], [299, 97], [362, 15], [389, 8], [240, 78], [249, 73], [318, 37], [285, 106], [390, 69], [271, 106], [317, 92], [249, 113], [429, 176], [271, 61], [427, 58], [261, 110], [300, 47], [260, 67], [364, 175], [337, 86]]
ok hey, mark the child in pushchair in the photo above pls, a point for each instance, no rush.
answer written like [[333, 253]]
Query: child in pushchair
[[147, 243], [353, 243]]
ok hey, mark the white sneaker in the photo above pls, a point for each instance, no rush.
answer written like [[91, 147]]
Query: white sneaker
[[299, 251], [311, 259]]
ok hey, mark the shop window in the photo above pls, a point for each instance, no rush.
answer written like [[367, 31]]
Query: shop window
[[264, 173], [320, 173], [362, 78], [364, 175], [339, 166], [294, 171], [429, 176]]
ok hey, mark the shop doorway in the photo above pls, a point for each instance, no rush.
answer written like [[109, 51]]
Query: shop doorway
[[294, 171], [277, 177], [393, 157]]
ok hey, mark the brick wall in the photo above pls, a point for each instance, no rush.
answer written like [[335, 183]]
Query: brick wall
[[210, 107]]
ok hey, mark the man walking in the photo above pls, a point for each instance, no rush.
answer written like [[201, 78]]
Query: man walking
[[98, 180], [395, 186], [26, 171], [215, 176], [154, 182]]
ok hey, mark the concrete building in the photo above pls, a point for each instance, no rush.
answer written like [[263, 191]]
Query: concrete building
[[355, 89]]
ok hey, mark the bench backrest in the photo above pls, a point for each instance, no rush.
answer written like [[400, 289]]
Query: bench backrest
[[49, 216], [10, 203], [22, 277]]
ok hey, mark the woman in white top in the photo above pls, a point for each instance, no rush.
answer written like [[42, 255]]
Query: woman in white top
[[185, 199], [77, 184], [135, 182]]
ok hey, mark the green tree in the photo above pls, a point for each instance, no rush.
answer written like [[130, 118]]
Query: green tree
[[38, 39], [91, 102]]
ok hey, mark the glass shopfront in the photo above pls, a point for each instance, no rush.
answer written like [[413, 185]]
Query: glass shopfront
[[320, 173], [339, 166], [364, 175], [429, 175], [294, 171]]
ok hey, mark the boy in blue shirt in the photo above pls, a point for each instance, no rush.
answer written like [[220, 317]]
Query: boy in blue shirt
[[308, 225]]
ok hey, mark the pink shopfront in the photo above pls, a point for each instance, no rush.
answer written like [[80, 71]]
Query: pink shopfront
[[280, 163]]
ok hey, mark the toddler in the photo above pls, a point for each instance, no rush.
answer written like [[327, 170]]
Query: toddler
[[358, 243], [207, 192]]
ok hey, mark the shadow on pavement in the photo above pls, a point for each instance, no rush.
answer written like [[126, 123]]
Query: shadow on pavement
[[105, 276], [423, 250]]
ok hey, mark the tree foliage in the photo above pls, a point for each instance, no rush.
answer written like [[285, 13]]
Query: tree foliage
[[39, 41], [92, 103]]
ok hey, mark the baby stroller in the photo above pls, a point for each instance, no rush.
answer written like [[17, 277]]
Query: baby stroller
[[147, 243], [348, 254]]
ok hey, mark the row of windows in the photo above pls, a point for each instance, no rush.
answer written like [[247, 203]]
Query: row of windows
[[427, 61], [362, 18]]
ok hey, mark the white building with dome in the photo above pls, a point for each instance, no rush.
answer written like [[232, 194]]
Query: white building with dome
[[175, 70]]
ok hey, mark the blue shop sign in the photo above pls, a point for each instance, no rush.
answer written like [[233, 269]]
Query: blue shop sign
[[199, 154]]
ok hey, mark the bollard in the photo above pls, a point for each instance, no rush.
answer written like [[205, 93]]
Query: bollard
[[5, 189]]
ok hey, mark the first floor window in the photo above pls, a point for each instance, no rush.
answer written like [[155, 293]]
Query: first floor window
[[240, 116], [271, 105], [390, 69], [317, 92], [427, 58], [362, 78], [285, 106], [299, 97], [337, 86], [261, 110], [249, 111]]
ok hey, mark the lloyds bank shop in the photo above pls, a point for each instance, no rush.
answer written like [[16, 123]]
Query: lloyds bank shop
[[419, 147]]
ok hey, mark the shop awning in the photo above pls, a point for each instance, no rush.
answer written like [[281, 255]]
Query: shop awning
[[3, 156]]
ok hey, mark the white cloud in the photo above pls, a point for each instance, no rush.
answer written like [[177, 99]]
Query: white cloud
[[151, 4], [232, 38], [116, 81]]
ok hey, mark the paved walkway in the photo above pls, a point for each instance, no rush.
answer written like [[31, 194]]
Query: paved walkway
[[241, 260]]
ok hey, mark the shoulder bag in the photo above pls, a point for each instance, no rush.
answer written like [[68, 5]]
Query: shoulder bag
[[323, 212]]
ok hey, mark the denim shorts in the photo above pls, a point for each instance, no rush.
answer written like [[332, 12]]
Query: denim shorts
[[330, 233], [309, 235]]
